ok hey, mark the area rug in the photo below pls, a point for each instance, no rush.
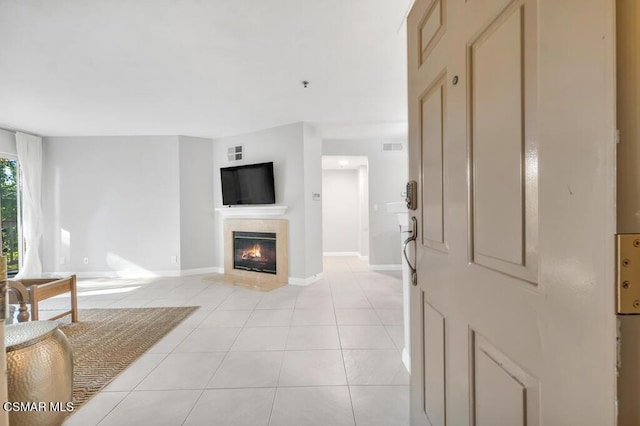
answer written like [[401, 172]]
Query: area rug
[[106, 341]]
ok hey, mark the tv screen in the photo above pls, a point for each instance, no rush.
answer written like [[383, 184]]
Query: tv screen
[[250, 184]]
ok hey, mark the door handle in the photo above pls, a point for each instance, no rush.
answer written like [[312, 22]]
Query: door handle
[[412, 238]]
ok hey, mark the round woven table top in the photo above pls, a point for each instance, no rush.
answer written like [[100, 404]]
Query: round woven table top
[[17, 336]]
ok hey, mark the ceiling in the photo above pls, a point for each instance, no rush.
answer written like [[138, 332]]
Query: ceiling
[[207, 68]]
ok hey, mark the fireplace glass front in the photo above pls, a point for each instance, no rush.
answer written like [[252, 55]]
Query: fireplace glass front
[[254, 251]]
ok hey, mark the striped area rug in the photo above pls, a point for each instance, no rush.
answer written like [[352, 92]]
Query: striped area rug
[[106, 341]]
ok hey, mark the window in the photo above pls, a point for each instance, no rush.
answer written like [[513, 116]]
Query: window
[[9, 213]]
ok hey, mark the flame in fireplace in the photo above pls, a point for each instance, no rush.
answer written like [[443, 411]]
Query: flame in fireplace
[[252, 253]]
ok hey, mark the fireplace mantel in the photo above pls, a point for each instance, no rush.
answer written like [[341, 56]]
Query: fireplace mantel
[[252, 211]]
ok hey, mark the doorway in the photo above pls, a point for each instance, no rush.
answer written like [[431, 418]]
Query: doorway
[[345, 207]]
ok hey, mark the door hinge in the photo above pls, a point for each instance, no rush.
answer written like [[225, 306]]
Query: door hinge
[[618, 345], [628, 273]]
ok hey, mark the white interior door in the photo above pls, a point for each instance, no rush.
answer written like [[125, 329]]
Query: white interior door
[[511, 130]]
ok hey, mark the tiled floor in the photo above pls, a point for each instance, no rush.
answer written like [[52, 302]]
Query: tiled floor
[[326, 354]]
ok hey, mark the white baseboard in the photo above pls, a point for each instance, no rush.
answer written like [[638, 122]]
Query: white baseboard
[[406, 360], [200, 271], [187, 272], [363, 258], [340, 253], [121, 274], [385, 267], [137, 274], [82, 274], [305, 281]]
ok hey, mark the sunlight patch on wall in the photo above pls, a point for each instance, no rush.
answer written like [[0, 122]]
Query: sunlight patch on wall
[[127, 269]]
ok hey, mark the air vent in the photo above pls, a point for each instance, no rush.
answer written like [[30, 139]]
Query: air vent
[[234, 153], [392, 146]]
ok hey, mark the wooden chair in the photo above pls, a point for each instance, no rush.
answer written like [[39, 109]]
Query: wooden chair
[[34, 290]]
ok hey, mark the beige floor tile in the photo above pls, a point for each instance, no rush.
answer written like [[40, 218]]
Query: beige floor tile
[[209, 340], [91, 413], [270, 318], [162, 408], [261, 339], [365, 337], [237, 407], [375, 367], [313, 337], [313, 317], [314, 302], [240, 302], [247, 370], [277, 301], [132, 376], [312, 406], [381, 405], [357, 317], [225, 319], [183, 371], [312, 368], [396, 332], [169, 342], [391, 316]]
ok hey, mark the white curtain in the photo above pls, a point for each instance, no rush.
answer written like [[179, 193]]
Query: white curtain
[[30, 158]]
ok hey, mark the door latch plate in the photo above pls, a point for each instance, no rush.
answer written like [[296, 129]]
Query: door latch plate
[[628, 273]]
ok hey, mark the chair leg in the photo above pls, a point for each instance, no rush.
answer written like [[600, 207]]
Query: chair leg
[[34, 311], [74, 300], [33, 293], [23, 315]]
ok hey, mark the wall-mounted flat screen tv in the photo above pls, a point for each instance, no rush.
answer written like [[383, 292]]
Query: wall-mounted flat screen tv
[[249, 184]]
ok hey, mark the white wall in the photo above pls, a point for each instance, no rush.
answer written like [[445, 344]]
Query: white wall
[[340, 211], [197, 237], [388, 173], [8, 143], [363, 210], [295, 174], [313, 206], [115, 200]]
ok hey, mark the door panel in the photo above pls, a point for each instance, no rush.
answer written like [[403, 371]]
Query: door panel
[[496, 72], [434, 366], [503, 393], [503, 184], [499, 396], [511, 139], [433, 105], [431, 28]]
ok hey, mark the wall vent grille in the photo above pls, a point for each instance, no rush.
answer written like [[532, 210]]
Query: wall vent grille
[[392, 146], [235, 153]]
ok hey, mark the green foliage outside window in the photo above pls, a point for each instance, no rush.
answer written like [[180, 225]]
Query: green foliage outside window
[[9, 212]]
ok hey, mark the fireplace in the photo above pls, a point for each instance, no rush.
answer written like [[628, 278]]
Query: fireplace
[[254, 251]]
